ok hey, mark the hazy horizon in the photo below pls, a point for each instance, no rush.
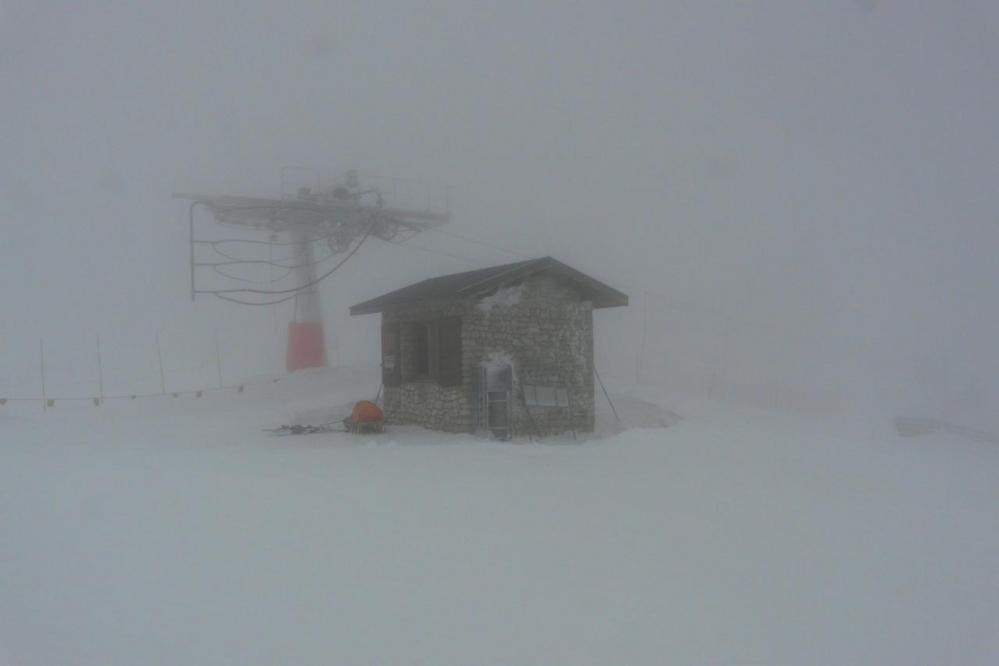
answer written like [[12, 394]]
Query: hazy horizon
[[807, 191]]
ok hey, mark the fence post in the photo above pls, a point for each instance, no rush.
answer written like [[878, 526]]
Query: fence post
[[159, 357], [100, 372], [726, 352], [41, 356], [645, 331], [218, 358]]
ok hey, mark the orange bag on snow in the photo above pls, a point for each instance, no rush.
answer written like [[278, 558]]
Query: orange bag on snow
[[366, 411]]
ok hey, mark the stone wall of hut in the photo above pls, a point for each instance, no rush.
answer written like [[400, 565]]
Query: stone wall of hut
[[541, 327]]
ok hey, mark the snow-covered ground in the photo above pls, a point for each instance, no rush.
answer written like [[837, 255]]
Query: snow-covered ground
[[173, 531]]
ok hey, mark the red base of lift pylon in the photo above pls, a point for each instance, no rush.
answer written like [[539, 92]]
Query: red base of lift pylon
[[306, 348]]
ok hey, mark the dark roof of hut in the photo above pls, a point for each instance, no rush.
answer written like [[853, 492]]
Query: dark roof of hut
[[482, 282]]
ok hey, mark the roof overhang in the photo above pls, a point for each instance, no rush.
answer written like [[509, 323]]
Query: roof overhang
[[476, 284]]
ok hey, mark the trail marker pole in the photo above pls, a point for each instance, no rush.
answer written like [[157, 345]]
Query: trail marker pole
[[726, 354], [645, 332], [218, 358], [159, 357], [100, 372], [41, 356]]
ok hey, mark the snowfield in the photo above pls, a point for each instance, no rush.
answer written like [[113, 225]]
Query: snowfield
[[174, 531]]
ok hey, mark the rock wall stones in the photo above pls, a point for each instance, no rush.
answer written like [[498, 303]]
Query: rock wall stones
[[547, 334], [427, 404], [542, 327]]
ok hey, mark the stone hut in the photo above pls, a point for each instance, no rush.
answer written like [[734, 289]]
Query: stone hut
[[507, 349]]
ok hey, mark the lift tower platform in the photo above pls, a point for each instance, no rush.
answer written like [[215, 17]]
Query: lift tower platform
[[333, 221]]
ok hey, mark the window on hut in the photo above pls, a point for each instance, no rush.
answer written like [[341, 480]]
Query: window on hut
[[429, 350]]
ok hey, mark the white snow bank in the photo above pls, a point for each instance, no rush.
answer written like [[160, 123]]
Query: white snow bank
[[175, 531]]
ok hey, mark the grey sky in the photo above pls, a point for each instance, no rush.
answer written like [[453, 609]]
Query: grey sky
[[823, 172]]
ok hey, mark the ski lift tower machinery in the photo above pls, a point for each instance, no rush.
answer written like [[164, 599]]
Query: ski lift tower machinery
[[313, 229]]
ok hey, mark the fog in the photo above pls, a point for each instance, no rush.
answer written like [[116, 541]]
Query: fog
[[801, 461], [799, 198]]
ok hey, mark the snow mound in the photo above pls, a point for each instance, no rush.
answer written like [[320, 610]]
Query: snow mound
[[175, 531], [633, 412]]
